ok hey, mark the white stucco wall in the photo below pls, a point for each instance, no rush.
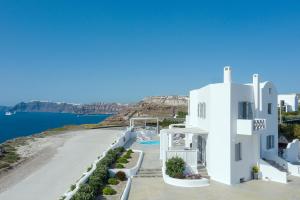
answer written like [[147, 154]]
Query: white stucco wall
[[250, 148], [293, 151], [272, 120]]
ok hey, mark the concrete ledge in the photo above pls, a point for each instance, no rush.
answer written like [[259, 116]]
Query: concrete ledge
[[126, 190], [185, 182]]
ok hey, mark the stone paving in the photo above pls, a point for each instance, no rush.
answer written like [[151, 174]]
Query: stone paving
[[154, 188]]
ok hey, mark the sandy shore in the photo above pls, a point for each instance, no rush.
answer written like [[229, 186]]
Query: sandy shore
[[54, 164]]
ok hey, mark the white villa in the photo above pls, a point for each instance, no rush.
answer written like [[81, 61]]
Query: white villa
[[289, 102], [230, 128]]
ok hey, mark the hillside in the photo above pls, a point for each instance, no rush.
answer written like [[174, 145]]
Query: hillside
[[40, 106]]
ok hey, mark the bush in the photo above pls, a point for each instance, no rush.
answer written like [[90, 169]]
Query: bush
[[85, 192], [72, 187], [122, 160], [113, 181], [175, 167], [119, 166], [255, 169], [130, 151], [120, 149], [109, 191], [121, 176], [127, 156], [99, 178]]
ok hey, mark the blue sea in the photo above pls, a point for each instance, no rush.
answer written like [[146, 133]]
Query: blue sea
[[26, 123]]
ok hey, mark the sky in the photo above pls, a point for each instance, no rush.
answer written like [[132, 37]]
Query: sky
[[121, 51]]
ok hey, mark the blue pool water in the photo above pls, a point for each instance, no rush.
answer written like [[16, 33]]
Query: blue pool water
[[150, 142], [24, 124]]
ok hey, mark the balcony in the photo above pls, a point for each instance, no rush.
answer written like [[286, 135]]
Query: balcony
[[250, 126]]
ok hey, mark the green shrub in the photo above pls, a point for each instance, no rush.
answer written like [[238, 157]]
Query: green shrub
[[120, 149], [130, 151], [109, 191], [119, 166], [255, 169], [122, 160], [175, 167], [127, 156], [85, 192], [99, 178], [113, 181], [121, 176], [72, 187]]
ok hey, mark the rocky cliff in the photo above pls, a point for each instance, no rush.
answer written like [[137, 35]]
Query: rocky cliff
[[167, 100], [96, 108]]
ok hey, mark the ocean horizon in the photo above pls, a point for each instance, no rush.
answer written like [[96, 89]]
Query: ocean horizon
[[27, 123]]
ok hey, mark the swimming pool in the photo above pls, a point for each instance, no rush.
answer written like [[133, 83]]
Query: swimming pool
[[150, 142]]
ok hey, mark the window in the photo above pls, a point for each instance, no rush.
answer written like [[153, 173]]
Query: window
[[238, 151], [270, 141], [270, 90], [202, 110], [245, 110], [269, 108]]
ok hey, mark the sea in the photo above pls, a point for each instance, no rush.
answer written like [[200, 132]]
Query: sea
[[28, 123]]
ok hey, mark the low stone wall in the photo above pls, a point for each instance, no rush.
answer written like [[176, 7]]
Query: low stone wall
[[184, 182], [126, 190]]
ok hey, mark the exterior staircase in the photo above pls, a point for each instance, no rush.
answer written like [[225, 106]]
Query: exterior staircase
[[149, 173], [202, 171], [276, 165]]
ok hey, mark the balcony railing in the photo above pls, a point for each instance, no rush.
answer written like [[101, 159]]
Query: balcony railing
[[259, 124], [250, 126]]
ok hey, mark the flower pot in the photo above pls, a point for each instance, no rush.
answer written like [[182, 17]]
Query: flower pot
[[255, 176]]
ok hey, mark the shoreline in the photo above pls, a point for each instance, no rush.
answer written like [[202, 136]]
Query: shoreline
[[55, 154], [10, 157]]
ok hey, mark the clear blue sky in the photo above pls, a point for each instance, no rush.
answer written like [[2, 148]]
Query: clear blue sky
[[121, 51]]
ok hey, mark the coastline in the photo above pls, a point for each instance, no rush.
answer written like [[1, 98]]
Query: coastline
[[17, 151], [54, 154]]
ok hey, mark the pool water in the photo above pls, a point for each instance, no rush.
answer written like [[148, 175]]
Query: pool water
[[150, 142]]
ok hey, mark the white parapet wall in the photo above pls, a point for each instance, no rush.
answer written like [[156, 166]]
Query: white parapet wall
[[270, 173], [188, 183]]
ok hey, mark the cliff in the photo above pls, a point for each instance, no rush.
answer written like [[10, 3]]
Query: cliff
[[96, 108], [167, 100]]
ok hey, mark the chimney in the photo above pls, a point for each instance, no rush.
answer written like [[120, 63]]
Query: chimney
[[227, 74], [256, 90]]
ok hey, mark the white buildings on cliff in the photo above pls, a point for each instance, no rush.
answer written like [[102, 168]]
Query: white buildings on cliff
[[230, 128], [288, 102]]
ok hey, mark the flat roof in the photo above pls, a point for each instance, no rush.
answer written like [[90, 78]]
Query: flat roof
[[184, 131]]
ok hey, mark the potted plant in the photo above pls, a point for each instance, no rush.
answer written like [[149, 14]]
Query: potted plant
[[255, 172]]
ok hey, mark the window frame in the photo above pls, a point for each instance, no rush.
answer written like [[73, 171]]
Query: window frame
[[270, 142], [270, 109], [238, 151]]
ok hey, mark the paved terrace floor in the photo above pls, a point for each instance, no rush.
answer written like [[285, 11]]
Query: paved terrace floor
[[156, 189]]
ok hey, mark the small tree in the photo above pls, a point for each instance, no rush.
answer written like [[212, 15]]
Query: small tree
[[175, 167]]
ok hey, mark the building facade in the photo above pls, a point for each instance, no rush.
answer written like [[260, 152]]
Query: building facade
[[231, 127]]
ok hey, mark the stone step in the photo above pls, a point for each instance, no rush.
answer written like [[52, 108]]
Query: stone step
[[148, 175]]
